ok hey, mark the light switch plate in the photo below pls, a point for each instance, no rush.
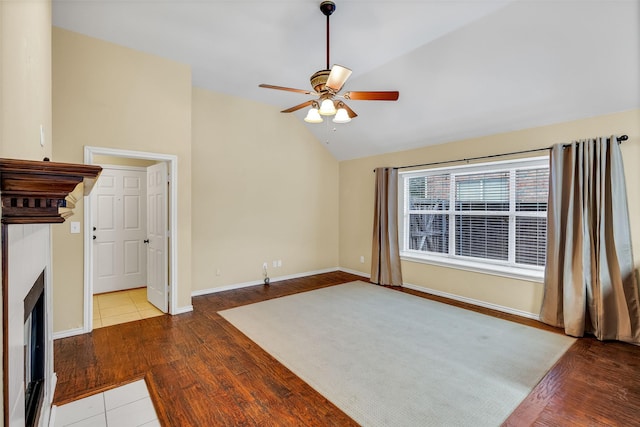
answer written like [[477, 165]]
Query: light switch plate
[[75, 227]]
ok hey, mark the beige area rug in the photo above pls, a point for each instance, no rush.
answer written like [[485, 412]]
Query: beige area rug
[[391, 359]]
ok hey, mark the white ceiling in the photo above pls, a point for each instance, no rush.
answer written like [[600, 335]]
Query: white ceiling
[[464, 68]]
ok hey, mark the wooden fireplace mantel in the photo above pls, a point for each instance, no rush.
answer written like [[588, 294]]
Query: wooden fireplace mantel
[[35, 192]]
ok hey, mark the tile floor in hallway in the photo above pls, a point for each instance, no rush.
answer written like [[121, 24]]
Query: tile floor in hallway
[[122, 306], [126, 406]]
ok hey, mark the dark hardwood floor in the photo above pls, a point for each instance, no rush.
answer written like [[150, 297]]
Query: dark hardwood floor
[[201, 371]]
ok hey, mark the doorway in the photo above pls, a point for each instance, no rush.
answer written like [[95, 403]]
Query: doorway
[[168, 276], [119, 213]]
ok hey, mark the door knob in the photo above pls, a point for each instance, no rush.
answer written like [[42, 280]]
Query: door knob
[[95, 237], [145, 241]]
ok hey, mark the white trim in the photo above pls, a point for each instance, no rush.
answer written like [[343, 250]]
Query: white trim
[[260, 282], [49, 411], [54, 382], [182, 310], [532, 275], [122, 167], [473, 301], [69, 333], [231, 287], [172, 160], [357, 273], [52, 416]]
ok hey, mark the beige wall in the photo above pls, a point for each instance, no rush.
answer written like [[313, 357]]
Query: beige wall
[[25, 85], [25, 79], [264, 189], [357, 197], [106, 95]]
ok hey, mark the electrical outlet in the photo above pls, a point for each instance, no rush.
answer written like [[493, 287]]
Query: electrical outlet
[[75, 227], [275, 263], [361, 259], [264, 265], [279, 263]]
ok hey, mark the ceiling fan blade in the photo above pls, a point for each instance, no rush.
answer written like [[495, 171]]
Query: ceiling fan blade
[[290, 89], [297, 107], [337, 77], [372, 95]]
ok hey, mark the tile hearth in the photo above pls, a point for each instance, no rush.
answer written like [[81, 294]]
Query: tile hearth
[[126, 406]]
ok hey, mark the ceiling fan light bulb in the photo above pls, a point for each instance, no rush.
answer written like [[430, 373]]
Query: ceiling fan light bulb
[[327, 108], [341, 116], [313, 116]]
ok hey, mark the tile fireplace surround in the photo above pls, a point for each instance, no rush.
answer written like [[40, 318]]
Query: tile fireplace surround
[[34, 195]]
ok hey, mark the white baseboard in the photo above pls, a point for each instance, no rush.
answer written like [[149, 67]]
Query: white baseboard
[[185, 309], [52, 387], [68, 333], [357, 273], [52, 416], [260, 282], [48, 412], [79, 331], [480, 303]]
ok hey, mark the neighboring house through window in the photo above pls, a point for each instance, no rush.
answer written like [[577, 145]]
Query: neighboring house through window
[[489, 217]]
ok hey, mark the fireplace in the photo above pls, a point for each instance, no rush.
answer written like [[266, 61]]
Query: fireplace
[[33, 196], [28, 344], [35, 351]]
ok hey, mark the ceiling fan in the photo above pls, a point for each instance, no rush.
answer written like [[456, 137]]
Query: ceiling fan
[[326, 86]]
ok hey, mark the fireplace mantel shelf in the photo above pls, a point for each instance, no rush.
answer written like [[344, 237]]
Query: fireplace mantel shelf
[[36, 192]]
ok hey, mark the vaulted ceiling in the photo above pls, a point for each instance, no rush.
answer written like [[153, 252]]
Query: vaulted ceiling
[[464, 68]]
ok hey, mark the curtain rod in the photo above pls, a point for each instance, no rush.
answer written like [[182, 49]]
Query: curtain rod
[[620, 139]]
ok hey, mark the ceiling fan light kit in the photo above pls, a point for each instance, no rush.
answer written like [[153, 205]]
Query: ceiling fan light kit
[[313, 116], [327, 108], [342, 116], [327, 84]]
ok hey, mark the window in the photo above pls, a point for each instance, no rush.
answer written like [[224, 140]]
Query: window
[[488, 217]]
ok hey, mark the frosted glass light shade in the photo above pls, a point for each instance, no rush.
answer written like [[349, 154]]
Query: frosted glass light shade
[[313, 116], [327, 108], [341, 116]]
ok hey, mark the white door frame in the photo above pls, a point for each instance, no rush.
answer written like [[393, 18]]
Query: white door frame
[[172, 161]]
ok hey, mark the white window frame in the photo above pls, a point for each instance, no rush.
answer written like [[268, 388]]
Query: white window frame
[[499, 268]]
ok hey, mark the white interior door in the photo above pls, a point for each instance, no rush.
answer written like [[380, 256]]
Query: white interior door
[[119, 229], [157, 228]]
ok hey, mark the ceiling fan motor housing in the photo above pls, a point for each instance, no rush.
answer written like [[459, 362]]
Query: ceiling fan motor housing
[[318, 80]]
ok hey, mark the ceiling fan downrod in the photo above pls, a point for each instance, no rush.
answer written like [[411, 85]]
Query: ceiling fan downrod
[[327, 8]]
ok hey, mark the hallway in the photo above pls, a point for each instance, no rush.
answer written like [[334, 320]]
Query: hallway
[[113, 308]]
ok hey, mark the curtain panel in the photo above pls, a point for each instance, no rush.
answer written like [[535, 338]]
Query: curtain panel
[[385, 252], [590, 283]]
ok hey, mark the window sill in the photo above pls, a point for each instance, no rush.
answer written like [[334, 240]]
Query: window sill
[[532, 275]]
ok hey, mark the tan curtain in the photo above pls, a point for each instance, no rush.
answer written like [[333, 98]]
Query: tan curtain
[[385, 254], [590, 283]]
